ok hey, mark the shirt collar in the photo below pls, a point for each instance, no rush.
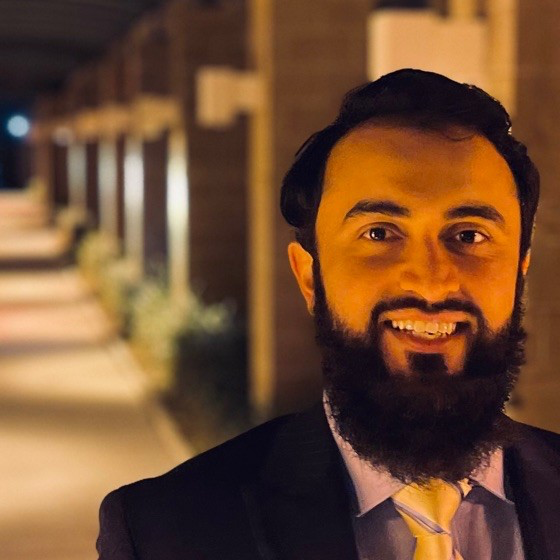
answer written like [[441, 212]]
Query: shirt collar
[[374, 485]]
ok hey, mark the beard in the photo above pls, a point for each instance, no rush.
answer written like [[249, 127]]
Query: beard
[[427, 423]]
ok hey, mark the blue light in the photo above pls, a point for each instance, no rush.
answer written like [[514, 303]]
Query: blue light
[[18, 126]]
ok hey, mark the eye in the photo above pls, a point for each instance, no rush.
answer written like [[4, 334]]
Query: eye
[[379, 233], [470, 237]]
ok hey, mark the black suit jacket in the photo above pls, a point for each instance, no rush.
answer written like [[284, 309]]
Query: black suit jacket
[[278, 492]]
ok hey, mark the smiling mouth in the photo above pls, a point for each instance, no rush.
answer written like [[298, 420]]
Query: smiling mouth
[[426, 331]]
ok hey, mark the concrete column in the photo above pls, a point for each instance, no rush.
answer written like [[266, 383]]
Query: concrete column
[[59, 155], [263, 368], [92, 181], [108, 218], [113, 123], [77, 175], [217, 169], [307, 55], [177, 179], [41, 140], [82, 102], [145, 86], [502, 16], [463, 8], [154, 155], [120, 153], [133, 180], [43, 169]]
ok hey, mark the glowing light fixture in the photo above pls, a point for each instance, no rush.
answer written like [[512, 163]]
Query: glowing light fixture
[[18, 126], [178, 212], [134, 200], [77, 175], [108, 186]]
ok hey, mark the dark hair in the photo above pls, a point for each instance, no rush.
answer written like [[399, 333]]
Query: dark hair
[[411, 98]]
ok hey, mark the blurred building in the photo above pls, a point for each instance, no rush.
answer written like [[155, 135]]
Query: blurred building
[[176, 140]]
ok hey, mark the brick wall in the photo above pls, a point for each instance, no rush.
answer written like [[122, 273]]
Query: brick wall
[[92, 181], [155, 206], [536, 123], [319, 53], [59, 181], [120, 146], [217, 170]]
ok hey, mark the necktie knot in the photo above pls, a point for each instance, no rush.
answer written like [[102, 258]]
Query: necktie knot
[[428, 511]]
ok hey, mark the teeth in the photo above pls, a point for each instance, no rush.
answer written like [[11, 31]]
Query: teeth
[[428, 328]]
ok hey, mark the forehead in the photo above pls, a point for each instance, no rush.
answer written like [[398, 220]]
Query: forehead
[[422, 169]]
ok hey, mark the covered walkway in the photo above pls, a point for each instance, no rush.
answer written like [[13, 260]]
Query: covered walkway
[[76, 418]]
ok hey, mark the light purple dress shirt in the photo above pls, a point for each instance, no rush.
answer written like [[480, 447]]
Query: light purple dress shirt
[[485, 526]]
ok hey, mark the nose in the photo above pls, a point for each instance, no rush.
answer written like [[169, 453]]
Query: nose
[[429, 271]]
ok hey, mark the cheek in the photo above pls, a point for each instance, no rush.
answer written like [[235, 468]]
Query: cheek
[[492, 288], [352, 294]]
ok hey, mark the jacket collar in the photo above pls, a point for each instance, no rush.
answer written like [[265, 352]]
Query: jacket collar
[[532, 476], [300, 507], [301, 504]]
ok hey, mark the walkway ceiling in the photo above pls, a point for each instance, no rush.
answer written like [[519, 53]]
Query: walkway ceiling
[[42, 41]]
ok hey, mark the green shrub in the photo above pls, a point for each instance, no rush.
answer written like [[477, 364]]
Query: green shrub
[[196, 357], [194, 354], [114, 279], [117, 288], [72, 222], [95, 253], [155, 325], [211, 385]]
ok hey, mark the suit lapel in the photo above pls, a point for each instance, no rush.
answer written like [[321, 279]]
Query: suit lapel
[[299, 508], [533, 475]]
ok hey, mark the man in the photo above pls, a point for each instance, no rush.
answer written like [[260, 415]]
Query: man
[[413, 214]]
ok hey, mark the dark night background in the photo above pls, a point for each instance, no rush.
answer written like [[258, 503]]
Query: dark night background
[[13, 151]]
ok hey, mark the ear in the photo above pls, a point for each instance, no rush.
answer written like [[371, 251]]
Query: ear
[[525, 262], [302, 267]]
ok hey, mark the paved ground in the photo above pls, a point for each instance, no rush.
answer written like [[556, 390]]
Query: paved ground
[[75, 416]]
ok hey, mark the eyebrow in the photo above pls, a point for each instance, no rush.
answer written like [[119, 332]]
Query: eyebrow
[[377, 207], [389, 208]]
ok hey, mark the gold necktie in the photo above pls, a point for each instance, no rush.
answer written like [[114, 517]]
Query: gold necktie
[[428, 512]]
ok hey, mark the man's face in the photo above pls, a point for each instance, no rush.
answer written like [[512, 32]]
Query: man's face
[[439, 246], [420, 230]]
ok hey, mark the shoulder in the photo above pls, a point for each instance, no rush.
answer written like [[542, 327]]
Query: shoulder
[[546, 437], [540, 444], [183, 507], [179, 513], [222, 468]]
